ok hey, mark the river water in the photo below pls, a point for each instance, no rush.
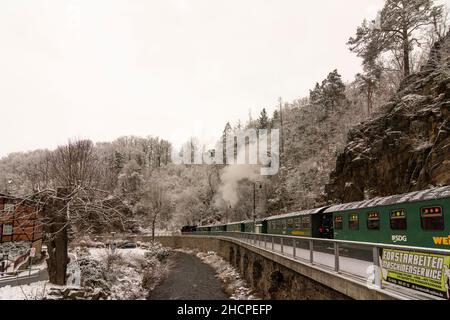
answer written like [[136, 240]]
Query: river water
[[189, 279]]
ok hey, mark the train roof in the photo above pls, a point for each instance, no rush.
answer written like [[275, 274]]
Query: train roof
[[297, 213], [429, 194], [209, 225], [236, 222], [251, 220]]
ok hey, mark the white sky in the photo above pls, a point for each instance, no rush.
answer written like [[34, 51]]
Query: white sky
[[101, 69]]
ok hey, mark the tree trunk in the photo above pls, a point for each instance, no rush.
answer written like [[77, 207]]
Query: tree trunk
[[56, 240], [406, 66], [153, 230], [57, 257], [369, 99]]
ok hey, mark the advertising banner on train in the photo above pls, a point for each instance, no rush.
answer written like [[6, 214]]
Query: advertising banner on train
[[428, 273]]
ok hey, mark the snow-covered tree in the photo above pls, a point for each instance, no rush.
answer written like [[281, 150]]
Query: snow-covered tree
[[263, 120], [153, 202], [315, 95], [330, 93], [398, 29], [130, 179]]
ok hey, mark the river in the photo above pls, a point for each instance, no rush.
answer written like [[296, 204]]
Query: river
[[189, 279]]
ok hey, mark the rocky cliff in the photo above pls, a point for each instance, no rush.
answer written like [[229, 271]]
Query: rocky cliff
[[406, 146]]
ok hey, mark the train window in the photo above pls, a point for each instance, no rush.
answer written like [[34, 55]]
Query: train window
[[290, 223], [432, 218], [338, 222], [298, 223], [306, 222], [398, 219], [373, 221], [353, 221]]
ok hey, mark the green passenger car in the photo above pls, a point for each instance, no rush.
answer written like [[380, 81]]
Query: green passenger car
[[419, 219], [249, 226], [235, 227], [304, 223], [219, 228], [203, 229]]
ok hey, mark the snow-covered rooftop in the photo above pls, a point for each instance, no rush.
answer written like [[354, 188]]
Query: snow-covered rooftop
[[297, 213], [430, 194]]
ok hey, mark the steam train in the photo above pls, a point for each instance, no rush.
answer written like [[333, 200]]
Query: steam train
[[420, 219]]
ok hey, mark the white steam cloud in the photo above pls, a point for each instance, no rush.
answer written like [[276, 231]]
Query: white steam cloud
[[231, 177]]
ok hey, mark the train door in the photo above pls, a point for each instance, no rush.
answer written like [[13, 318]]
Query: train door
[[323, 225], [264, 226]]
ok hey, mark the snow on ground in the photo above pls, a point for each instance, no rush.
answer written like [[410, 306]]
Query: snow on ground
[[103, 253], [234, 285], [35, 268], [14, 249], [125, 274], [34, 291]]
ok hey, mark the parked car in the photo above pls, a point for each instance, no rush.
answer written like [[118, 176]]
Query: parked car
[[128, 245]]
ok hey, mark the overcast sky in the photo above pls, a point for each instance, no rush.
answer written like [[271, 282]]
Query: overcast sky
[[170, 68]]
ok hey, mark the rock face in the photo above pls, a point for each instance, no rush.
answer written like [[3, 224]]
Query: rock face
[[406, 147]]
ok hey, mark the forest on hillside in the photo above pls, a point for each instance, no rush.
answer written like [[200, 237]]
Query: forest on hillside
[[157, 193]]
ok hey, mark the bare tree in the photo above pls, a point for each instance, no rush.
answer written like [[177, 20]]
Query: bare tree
[[74, 164], [154, 202], [73, 203], [55, 212], [367, 84]]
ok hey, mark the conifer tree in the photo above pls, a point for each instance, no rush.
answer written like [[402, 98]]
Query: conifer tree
[[397, 30]]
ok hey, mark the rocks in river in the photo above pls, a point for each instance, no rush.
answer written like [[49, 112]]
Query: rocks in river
[[406, 146]]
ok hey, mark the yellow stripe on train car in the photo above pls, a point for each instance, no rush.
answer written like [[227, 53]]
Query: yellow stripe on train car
[[442, 240]]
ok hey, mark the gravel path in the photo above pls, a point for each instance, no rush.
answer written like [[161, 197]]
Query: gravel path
[[189, 279]]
